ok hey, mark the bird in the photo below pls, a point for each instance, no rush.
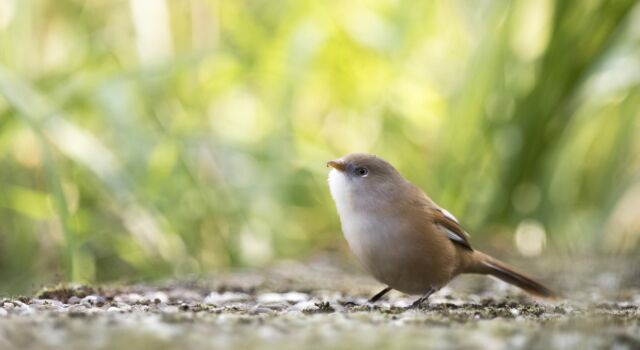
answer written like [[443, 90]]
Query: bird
[[403, 238]]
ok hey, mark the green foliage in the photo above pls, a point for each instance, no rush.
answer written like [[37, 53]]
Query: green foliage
[[140, 139]]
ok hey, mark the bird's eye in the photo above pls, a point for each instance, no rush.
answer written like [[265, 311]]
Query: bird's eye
[[362, 172]]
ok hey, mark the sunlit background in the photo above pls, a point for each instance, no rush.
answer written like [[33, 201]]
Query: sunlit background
[[145, 139]]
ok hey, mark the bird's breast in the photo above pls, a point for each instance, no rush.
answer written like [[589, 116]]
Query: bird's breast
[[397, 253]]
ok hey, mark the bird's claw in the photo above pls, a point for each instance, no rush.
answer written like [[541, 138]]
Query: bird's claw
[[350, 304]]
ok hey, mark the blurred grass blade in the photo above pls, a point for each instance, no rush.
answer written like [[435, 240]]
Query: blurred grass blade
[[81, 146]]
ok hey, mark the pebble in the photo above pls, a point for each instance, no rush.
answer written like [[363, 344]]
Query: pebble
[[216, 298], [51, 303], [184, 295], [24, 310], [278, 306], [157, 297], [74, 300], [402, 303], [291, 297], [124, 307], [129, 298], [113, 309], [3, 312], [171, 309], [260, 310], [304, 305], [94, 300], [18, 303], [76, 309]]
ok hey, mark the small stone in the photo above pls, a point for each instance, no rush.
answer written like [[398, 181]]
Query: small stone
[[129, 298], [93, 300], [237, 307], [226, 297], [123, 307], [275, 306], [260, 310], [24, 309], [74, 300], [303, 305], [402, 303], [52, 303], [170, 309], [291, 297], [184, 295], [77, 310], [18, 303], [3, 312], [157, 297]]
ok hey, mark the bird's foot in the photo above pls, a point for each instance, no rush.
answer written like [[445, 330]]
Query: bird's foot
[[418, 303], [349, 304], [422, 300], [370, 302]]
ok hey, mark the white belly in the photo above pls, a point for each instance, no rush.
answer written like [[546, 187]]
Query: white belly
[[401, 263]]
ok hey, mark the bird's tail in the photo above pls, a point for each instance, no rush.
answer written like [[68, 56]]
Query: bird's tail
[[485, 264]]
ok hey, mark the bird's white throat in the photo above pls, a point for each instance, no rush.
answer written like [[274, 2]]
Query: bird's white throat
[[340, 191], [363, 231]]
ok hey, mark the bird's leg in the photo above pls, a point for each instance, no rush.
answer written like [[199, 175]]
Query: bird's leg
[[423, 298], [379, 295], [372, 300]]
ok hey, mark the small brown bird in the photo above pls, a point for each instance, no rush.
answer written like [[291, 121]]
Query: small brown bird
[[402, 237]]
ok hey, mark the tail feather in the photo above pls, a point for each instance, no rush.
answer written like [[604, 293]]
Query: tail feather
[[488, 265]]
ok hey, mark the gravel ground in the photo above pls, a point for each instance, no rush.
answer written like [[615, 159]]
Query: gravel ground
[[292, 306]]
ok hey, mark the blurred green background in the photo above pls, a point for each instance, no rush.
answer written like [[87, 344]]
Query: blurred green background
[[144, 139]]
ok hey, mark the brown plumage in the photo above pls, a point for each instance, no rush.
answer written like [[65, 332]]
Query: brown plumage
[[402, 237]]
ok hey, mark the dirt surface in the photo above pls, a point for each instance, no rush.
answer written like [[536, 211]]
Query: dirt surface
[[293, 306]]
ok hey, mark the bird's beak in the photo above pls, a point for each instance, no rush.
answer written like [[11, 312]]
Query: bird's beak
[[336, 164]]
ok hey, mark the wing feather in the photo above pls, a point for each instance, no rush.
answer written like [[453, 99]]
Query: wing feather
[[454, 230]]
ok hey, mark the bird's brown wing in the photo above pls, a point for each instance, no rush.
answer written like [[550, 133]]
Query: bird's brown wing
[[454, 230]]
